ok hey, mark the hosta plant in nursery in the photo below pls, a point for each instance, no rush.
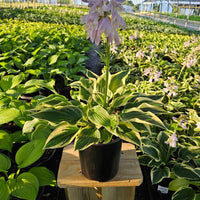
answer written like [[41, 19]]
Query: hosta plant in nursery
[[19, 177], [102, 106]]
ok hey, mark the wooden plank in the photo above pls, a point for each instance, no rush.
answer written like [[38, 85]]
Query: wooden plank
[[70, 175], [118, 193], [83, 193]]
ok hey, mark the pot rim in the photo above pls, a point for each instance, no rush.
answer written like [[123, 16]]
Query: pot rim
[[115, 140]]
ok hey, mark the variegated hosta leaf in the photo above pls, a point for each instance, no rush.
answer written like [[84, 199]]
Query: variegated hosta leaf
[[106, 136], [137, 101], [151, 108], [61, 136], [98, 98], [99, 116], [158, 174], [138, 116], [84, 93], [119, 101], [52, 100], [152, 151], [101, 82], [186, 193], [70, 114], [42, 83], [118, 80], [128, 133], [185, 171], [86, 137]]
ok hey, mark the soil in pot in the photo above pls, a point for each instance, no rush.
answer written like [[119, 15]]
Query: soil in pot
[[101, 161]]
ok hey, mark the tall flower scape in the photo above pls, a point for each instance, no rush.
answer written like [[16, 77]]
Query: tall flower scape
[[103, 17]]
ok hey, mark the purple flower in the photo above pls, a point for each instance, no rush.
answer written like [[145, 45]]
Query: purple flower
[[103, 17], [172, 140], [195, 39], [186, 44], [170, 88], [198, 125], [190, 61], [153, 74], [140, 54]]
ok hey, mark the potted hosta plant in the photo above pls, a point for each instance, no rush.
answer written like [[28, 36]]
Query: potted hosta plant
[[103, 108]]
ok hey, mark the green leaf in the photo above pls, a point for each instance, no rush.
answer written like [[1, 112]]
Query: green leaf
[[70, 114], [188, 153], [26, 186], [119, 101], [11, 81], [106, 136], [29, 125], [152, 151], [61, 136], [29, 62], [44, 176], [178, 183], [158, 174], [162, 137], [8, 114], [18, 137], [42, 131], [118, 80], [84, 93], [144, 159], [101, 82], [131, 136], [185, 171], [151, 108], [87, 137], [197, 196], [29, 153], [98, 98], [41, 83], [185, 193], [5, 163], [138, 116], [4, 190], [53, 59], [99, 116], [5, 141]]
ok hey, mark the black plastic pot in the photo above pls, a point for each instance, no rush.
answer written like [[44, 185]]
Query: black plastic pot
[[101, 161]]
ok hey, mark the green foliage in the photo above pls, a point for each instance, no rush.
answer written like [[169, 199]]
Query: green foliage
[[38, 45]]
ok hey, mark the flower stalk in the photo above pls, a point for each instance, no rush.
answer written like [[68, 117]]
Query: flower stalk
[[107, 67]]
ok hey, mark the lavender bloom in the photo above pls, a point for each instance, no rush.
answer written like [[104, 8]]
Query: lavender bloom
[[186, 44], [198, 125], [140, 54], [172, 140], [170, 89], [195, 39], [103, 17], [153, 74], [174, 51], [191, 61], [182, 124], [136, 36]]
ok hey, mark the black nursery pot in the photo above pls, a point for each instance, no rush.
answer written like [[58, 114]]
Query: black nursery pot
[[101, 161]]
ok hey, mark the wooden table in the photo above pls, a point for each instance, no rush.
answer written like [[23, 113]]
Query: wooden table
[[121, 187]]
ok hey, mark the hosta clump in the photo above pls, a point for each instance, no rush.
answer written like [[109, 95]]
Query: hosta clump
[[86, 120], [18, 177], [102, 106]]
